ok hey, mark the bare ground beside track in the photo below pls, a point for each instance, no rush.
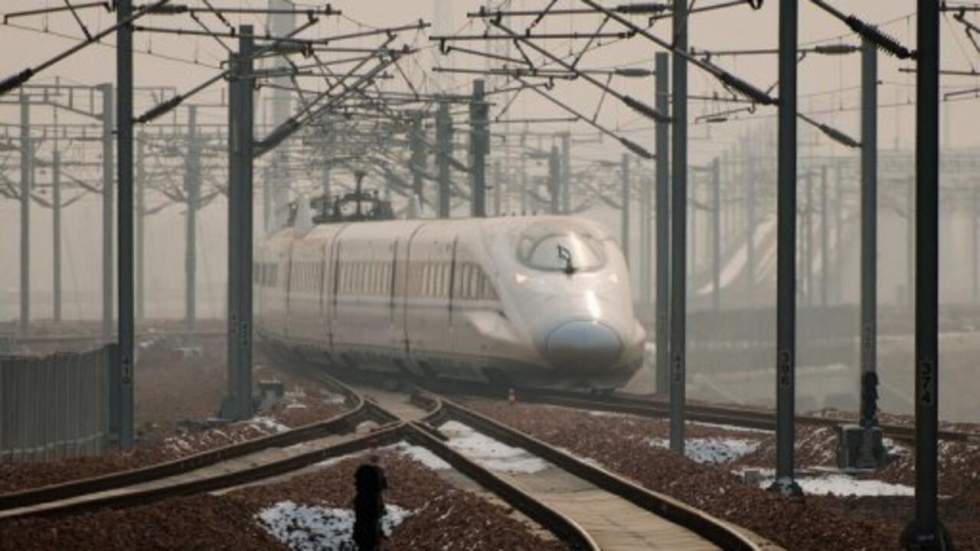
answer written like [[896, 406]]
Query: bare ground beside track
[[622, 444]]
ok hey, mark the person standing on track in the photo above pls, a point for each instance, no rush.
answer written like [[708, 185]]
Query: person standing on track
[[369, 506]]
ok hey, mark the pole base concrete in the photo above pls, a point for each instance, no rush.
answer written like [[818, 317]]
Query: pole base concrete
[[923, 538], [860, 447]]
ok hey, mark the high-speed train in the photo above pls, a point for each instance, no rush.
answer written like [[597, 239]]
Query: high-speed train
[[542, 301]]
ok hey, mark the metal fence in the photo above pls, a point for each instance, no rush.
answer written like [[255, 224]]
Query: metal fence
[[54, 406]]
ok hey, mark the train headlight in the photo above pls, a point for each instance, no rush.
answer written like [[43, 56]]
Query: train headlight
[[614, 278], [520, 278]]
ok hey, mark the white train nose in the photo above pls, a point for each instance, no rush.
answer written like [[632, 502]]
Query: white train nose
[[583, 344]]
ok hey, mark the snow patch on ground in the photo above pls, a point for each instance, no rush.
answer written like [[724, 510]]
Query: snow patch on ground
[[490, 453], [423, 456], [417, 453], [310, 528], [837, 484], [712, 451], [269, 424], [606, 414], [731, 428], [587, 460]]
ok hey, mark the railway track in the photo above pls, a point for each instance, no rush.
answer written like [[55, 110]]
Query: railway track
[[757, 418], [584, 506], [646, 406], [173, 478]]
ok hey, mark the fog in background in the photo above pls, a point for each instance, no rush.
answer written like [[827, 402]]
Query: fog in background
[[829, 90]]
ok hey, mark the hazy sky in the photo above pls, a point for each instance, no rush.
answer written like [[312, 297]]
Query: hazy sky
[[826, 83], [829, 89]]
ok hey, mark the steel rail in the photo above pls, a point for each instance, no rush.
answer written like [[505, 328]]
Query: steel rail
[[648, 406], [757, 418], [70, 489], [393, 430], [707, 526]]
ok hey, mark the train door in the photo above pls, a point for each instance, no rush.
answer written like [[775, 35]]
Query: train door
[[427, 304], [403, 257]]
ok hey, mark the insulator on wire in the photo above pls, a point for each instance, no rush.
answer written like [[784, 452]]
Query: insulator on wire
[[879, 38], [838, 136], [645, 109], [279, 135], [835, 49], [744, 88], [632, 72], [647, 7], [169, 9], [160, 109], [12, 82], [636, 148]]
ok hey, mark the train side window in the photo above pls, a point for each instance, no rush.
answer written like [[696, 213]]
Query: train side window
[[361, 278], [443, 279], [449, 279], [368, 278], [460, 291], [474, 282], [440, 290], [430, 279], [344, 278], [435, 279], [385, 278], [447, 275], [489, 293]]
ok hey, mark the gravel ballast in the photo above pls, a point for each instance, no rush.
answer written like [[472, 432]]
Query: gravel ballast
[[172, 387], [438, 516], [629, 446]]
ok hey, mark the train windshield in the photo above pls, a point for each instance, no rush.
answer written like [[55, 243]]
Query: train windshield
[[546, 247]]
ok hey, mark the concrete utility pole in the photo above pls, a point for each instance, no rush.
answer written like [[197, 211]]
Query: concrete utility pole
[[974, 242], [716, 235], [281, 22], [124, 120], [444, 150], [692, 227], [418, 160], [554, 180], [646, 241], [140, 229], [750, 226], [108, 197], [238, 404], [325, 180], [872, 452], [910, 242], [26, 175], [806, 258], [785, 482], [824, 234], [662, 130], [523, 174], [925, 531], [498, 183], [479, 148], [566, 172], [56, 233], [678, 261], [839, 234], [192, 188], [625, 219]]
